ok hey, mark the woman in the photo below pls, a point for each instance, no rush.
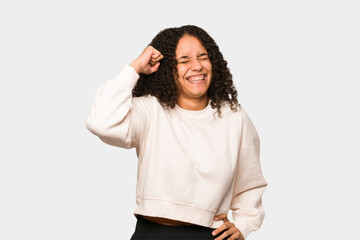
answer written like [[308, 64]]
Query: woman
[[198, 150]]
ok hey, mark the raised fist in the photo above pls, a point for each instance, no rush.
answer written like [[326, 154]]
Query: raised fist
[[148, 61]]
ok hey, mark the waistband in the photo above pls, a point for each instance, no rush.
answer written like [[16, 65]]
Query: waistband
[[163, 226]]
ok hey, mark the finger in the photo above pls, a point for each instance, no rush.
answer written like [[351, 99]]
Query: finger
[[150, 52], [226, 219], [221, 216], [236, 236], [224, 235], [157, 58], [155, 53], [220, 229], [152, 63], [155, 67], [218, 217]]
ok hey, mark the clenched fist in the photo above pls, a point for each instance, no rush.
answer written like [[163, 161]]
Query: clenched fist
[[148, 61]]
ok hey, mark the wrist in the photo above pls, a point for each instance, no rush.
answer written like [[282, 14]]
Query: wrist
[[135, 66]]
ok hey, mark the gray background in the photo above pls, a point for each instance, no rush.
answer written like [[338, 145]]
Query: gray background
[[295, 65]]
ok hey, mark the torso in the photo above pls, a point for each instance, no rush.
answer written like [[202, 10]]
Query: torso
[[167, 221]]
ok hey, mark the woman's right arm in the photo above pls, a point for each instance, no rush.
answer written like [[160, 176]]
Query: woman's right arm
[[116, 117], [110, 117]]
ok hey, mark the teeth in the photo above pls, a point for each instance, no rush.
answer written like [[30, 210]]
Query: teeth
[[196, 78]]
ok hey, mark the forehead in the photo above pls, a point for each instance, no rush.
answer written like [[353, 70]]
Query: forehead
[[189, 45]]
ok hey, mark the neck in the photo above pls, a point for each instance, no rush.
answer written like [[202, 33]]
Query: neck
[[193, 104]]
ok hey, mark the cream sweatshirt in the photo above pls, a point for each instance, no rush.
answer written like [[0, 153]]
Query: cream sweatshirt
[[192, 165]]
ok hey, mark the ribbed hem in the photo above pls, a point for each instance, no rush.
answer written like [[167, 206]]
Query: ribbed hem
[[245, 230], [178, 211]]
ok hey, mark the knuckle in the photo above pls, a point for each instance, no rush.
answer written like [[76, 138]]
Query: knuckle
[[225, 234]]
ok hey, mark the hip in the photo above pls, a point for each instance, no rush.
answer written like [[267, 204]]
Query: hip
[[146, 229]]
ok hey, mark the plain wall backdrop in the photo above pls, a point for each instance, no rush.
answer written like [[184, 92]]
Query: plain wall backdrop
[[295, 65]]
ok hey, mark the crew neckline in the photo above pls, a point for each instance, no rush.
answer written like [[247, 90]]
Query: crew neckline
[[194, 114]]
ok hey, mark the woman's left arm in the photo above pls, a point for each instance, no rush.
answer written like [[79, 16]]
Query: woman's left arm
[[246, 205]]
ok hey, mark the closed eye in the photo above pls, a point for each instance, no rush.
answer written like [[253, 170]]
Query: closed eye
[[203, 58]]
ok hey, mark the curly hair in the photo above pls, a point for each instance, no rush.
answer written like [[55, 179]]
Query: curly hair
[[161, 84]]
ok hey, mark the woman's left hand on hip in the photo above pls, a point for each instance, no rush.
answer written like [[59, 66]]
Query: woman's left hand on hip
[[230, 228]]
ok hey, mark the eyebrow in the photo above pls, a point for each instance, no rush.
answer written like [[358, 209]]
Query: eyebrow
[[186, 57]]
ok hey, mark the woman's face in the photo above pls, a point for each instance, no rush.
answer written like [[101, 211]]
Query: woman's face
[[194, 69]]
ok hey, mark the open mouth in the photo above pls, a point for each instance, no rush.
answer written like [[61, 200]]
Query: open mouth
[[199, 79]]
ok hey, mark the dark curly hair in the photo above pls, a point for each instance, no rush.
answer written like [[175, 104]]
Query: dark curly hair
[[161, 83]]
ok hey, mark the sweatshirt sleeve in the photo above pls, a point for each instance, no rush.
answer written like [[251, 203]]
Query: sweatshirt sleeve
[[250, 184], [116, 117]]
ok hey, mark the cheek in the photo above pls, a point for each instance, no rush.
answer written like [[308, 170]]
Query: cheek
[[209, 67], [181, 72], [210, 71]]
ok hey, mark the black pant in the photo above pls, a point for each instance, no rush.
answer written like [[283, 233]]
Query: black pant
[[148, 230]]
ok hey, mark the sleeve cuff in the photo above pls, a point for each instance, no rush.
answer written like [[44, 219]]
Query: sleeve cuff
[[127, 78], [244, 229], [130, 68]]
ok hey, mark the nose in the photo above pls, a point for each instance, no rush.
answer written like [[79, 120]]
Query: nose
[[195, 65]]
